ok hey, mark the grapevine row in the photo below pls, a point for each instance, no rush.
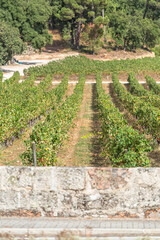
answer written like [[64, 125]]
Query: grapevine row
[[79, 64], [137, 89], [153, 85], [147, 115], [50, 134], [123, 145], [22, 103], [13, 80]]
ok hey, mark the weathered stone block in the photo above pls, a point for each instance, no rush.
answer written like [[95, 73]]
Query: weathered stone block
[[70, 178], [108, 178]]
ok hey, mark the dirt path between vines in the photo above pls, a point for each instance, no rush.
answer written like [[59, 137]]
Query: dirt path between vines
[[11, 155], [83, 146]]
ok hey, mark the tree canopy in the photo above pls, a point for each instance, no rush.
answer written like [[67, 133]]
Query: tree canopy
[[130, 23], [10, 42], [30, 18]]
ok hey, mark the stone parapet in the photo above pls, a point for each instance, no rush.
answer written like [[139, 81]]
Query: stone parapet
[[80, 192]]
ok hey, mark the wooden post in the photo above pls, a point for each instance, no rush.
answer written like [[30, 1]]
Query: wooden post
[[104, 27], [34, 154]]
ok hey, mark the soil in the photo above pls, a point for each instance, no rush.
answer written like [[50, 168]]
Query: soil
[[124, 76], [60, 48], [57, 50], [105, 55], [11, 155], [50, 53], [69, 90], [83, 145]]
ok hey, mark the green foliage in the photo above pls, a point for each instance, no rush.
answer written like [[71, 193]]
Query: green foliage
[[156, 50], [76, 13], [10, 43], [92, 35], [75, 65], [18, 99], [118, 25], [150, 33], [137, 89], [66, 32], [50, 134], [67, 14], [147, 115], [123, 146], [153, 85], [153, 10], [1, 76], [132, 23], [30, 18], [11, 81], [91, 14], [133, 31], [38, 42]]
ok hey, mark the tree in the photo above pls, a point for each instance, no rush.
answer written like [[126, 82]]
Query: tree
[[150, 33], [75, 11], [133, 34], [132, 31], [132, 23], [152, 9], [92, 34], [10, 43], [30, 17], [55, 17], [118, 23], [146, 9]]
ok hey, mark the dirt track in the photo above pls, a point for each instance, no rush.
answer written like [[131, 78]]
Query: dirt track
[[27, 62]]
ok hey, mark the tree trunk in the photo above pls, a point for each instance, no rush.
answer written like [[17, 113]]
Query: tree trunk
[[104, 28], [93, 10], [146, 9], [77, 35], [105, 34], [72, 36], [124, 45]]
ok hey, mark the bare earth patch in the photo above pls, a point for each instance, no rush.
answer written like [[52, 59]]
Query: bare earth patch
[[10, 155], [105, 55], [124, 76], [66, 153], [83, 145]]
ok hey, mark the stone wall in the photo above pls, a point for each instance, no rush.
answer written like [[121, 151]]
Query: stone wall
[[80, 192]]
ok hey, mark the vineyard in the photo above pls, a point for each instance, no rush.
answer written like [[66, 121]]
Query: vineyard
[[81, 112]]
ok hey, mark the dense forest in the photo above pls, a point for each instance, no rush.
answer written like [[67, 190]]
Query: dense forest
[[129, 23]]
